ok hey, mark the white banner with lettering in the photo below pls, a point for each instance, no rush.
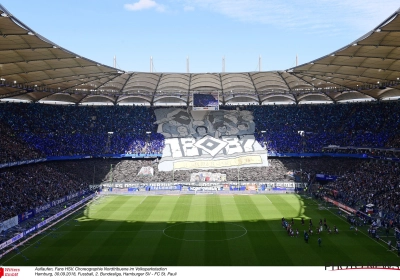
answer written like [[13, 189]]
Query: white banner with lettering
[[212, 153]]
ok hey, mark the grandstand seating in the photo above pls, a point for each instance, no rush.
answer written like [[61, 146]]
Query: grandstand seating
[[50, 130], [34, 131]]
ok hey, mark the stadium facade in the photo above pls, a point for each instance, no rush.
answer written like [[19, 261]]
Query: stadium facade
[[34, 69]]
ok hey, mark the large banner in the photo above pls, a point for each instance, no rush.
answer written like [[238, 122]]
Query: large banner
[[146, 171], [340, 205], [208, 139], [185, 123], [207, 177], [212, 153], [226, 185]]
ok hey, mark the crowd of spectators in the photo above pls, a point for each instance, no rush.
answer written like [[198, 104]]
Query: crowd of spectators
[[12, 149], [127, 171], [388, 153], [82, 130], [36, 130], [360, 181], [374, 124], [32, 131], [369, 182], [27, 187]]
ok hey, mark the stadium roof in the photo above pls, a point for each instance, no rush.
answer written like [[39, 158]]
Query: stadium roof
[[34, 69]]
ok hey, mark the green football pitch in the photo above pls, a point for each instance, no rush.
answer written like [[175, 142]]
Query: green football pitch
[[199, 230]]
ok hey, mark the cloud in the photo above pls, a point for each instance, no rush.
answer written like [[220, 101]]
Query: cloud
[[310, 15], [143, 5], [188, 8]]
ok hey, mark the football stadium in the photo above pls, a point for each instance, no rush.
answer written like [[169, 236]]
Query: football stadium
[[105, 167]]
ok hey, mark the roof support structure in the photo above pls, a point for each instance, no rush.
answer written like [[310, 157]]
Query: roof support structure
[[333, 100], [55, 70], [155, 90], [222, 89], [188, 93], [337, 85], [13, 94], [289, 89], [255, 89], [126, 81]]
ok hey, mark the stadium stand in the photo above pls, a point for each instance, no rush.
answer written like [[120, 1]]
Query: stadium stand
[[12, 149], [369, 183], [27, 187], [81, 130], [34, 131], [70, 130]]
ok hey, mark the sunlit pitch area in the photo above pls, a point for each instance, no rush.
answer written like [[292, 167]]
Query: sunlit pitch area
[[199, 230], [196, 208]]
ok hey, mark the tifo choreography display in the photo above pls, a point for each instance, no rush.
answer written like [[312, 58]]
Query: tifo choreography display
[[208, 139]]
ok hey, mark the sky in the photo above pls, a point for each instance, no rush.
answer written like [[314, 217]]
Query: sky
[[206, 31]]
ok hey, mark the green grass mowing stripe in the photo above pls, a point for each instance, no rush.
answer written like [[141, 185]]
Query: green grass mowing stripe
[[192, 253], [106, 247], [144, 209], [164, 209], [40, 250], [263, 244], [141, 250], [240, 249], [370, 249], [116, 246], [126, 248], [133, 242], [83, 251], [213, 209], [197, 208], [345, 246], [266, 208], [296, 202], [215, 233], [287, 207], [86, 246], [123, 207], [108, 207], [229, 210], [192, 250], [105, 242], [289, 250], [168, 250]]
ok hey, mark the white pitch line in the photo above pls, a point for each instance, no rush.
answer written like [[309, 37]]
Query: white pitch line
[[143, 200], [268, 199]]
